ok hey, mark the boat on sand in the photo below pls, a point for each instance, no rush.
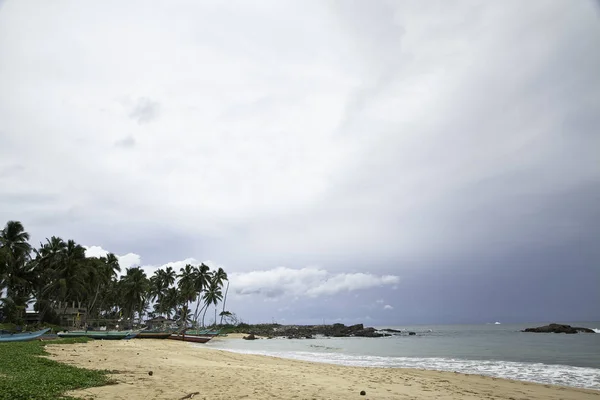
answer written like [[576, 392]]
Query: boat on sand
[[22, 337], [190, 338], [153, 335], [104, 335]]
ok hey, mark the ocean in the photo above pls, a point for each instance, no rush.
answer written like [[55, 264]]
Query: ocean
[[492, 349]]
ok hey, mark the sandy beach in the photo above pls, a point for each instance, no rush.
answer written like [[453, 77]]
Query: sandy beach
[[180, 371]]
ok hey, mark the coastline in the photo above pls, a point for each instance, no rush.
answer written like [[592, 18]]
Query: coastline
[[180, 369]]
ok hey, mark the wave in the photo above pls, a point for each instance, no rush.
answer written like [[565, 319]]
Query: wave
[[563, 375], [596, 330]]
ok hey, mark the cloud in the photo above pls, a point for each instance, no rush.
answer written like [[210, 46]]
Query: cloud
[[379, 301], [305, 282], [145, 110], [388, 307], [438, 137], [126, 142], [125, 261]]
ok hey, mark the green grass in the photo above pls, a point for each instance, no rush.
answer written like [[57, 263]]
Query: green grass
[[26, 375]]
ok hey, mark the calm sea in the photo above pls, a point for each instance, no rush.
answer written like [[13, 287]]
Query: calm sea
[[495, 350]]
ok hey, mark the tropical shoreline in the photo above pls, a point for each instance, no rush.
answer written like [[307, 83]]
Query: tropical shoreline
[[179, 369]]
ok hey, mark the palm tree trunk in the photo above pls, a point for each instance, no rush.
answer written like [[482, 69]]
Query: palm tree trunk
[[203, 315], [196, 311], [95, 298], [224, 301]]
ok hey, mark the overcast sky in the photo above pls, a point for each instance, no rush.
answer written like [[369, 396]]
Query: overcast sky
[[388, 162]]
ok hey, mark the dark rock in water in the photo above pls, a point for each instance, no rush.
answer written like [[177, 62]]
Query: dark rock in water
[[558, 328], [391, 330], [363, 393], [250, 337], [150, 373], [370, 332], [412, 333]]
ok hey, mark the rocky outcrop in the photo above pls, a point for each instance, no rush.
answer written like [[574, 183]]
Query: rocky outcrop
[[558, 328], [310, 331], [250, 337]]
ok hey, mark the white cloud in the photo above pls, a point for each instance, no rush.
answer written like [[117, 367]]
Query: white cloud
[[388, 307], [125, 261], [304, 282]]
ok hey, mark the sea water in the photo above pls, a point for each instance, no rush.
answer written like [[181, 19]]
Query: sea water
[[497, 350]]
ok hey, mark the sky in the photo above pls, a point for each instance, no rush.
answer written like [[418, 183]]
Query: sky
[[385, 162]]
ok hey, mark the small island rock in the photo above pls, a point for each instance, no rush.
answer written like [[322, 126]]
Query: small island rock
[[558, 328]]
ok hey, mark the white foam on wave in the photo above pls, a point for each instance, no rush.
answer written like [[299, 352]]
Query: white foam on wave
[[563, 375], [596, 330]]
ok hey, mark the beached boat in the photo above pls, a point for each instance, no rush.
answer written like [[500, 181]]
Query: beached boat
[[153, 335], [190, 338], [104, 335], [22, 337], [205, 332]]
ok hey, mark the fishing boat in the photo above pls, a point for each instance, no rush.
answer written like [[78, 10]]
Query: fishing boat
[[104, 335], [153, 335], [22, 337], [205, 332], [190, 338]]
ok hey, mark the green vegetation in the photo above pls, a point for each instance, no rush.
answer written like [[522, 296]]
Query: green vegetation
[[58, 275], [26, 375]]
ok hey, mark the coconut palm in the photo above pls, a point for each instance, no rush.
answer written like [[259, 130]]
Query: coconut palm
[[220, 276], [203, 276], [134, 286], [212, 295], [15, 253], [187, 283]]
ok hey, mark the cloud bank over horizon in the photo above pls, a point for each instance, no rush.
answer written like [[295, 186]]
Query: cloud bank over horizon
[[318, 150]]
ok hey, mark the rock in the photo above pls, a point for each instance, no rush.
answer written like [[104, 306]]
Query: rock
[[391, 330], [250, 337], [150, 373], [558, 328], [370, 332], [412, 333], [363, 393]]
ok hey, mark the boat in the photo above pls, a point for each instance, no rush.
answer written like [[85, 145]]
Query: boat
[[153, 335], [22, 337], [190, 338], [104, 335], [205, 332]]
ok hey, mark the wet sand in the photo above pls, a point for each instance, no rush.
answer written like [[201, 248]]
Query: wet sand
[[181, 369]]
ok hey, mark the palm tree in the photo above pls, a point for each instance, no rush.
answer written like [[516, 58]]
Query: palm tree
[[170, 301], [203, 276], [70, 273], [134, 287], [187, 278], [14, 238], [15, 250], [212, 295], [160, 282], [102, 272], [220, 276], [15, 272]]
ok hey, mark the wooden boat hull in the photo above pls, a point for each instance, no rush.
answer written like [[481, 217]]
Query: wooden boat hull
[[153, 335], [203, 333], [22, 337], [99, 335], [191, 338]]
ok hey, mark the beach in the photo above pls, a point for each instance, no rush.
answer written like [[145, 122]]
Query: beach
[[165, 369]]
